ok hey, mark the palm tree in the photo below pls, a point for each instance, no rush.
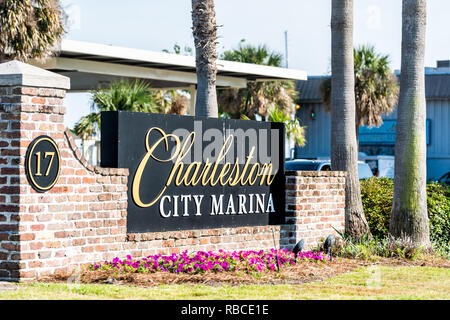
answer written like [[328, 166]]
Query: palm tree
[[29, 28], [376, 88], [258, 97], [204, 31], [251, 54], [273, 100], [409, 211], [343, 140], [134, 96], [119, 96]]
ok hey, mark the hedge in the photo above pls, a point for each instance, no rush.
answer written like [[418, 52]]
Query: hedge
[[377, 195]]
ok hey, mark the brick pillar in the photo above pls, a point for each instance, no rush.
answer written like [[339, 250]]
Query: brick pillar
[[30, 105], [315, 207]]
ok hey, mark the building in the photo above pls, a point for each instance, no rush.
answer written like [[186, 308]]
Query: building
[[93, 65], [381, 141], [90, 66]]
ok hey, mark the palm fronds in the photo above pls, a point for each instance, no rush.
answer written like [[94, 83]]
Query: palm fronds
[[87, 125], [125, 96], [376, 88], [258, 96], [119, 96], [293, 127], [30, 28]]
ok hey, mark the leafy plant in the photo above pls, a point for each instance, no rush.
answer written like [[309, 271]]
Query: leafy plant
[[377, 197], [438, 203], [293, 127], [369, 248]]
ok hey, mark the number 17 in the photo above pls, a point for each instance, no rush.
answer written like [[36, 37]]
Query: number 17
[[38, 164]]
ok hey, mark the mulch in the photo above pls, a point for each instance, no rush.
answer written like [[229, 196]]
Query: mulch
[[301, 273]]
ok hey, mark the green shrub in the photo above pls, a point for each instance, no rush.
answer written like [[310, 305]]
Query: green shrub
[[377, 196], [438, 200]]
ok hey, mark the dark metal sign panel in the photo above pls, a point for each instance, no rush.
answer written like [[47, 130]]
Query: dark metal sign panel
[[42, 163], [195, 173]]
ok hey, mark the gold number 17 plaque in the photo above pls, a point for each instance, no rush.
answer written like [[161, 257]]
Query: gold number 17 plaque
[[42, 163]]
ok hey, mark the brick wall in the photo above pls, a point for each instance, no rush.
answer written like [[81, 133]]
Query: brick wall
[[315, 206], [82, 219]]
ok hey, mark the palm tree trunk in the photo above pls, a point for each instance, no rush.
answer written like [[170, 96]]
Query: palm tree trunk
[[204, 31], [357, 135], [409, 211], [343, 139]]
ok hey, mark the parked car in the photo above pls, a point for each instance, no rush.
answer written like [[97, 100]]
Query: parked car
[[307, 165], [364, 171]]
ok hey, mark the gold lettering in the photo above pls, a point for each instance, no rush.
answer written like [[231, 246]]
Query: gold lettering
[[230, 180], [179, 162], [194, 174], [223, 172], [247, 162], [266, 170], [205, 172], [255, 168], [51, 155], [222, 154], [192, 181], [140, 170]]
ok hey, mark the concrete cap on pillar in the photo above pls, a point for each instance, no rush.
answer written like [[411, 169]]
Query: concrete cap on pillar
[[16, 73]]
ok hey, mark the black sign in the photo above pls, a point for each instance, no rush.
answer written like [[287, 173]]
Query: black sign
[[42, 163], [193, 172]]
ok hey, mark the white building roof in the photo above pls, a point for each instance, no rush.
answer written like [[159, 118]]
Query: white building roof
[[89, 65]]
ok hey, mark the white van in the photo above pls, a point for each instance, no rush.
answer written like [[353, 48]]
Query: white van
[[381, 166]]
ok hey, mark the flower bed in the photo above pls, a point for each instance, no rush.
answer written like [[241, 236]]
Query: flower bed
[[202, 261]]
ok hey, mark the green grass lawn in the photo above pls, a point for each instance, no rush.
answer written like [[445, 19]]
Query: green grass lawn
[[376, 282]]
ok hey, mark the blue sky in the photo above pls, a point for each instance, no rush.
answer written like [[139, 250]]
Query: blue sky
[[159, 24]]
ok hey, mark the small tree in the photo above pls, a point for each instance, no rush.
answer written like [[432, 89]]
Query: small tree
[[29, 28], [376, 88]]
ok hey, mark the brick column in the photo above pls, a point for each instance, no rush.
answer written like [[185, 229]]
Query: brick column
[[315, 206], [30, 105], [80, 220]]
